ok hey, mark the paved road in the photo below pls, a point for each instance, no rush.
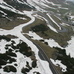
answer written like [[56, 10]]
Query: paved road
[[44, 15], [44, 56]]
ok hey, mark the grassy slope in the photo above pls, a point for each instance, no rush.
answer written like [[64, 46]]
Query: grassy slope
[[7, 24], [10, 20]]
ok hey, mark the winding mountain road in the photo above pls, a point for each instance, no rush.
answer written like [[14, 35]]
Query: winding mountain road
[[44, 56]]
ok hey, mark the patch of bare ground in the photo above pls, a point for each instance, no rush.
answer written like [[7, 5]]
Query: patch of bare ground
[[11, 22], [11, 36]]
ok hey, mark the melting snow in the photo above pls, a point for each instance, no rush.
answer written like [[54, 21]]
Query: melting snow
[[58, 63], [2, 45], [70, 47], [34, 35], [53, 21], [53, 43]]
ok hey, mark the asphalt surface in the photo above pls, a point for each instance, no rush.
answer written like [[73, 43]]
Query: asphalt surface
[[44, 57], [44, 15]]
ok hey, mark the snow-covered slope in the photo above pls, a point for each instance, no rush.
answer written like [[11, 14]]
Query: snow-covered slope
[[14, 6]]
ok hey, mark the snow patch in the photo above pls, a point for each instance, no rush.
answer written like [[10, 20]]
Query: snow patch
[[52, 43], [53, 21], [58, 63], [53, 29], [2, 46], [34, 35], [70, 47]]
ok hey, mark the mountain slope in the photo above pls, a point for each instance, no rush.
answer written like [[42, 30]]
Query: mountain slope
[[49, 24]]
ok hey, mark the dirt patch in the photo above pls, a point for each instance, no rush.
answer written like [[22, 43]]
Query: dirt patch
[[11, 36]]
